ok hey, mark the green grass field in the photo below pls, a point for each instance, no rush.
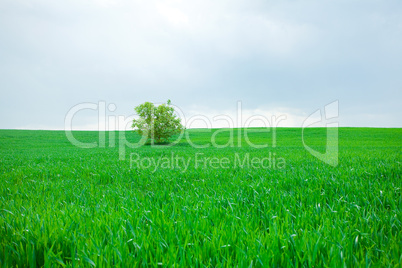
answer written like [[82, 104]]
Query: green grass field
[[61, 205]]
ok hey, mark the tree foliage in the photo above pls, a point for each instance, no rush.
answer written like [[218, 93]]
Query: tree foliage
[[157, 123]]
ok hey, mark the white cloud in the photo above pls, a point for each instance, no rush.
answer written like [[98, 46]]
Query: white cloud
[[302, 55]]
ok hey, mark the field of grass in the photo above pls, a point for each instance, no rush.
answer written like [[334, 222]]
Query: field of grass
[[62, 205]]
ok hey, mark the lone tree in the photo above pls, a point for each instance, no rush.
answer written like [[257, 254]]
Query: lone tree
[[157, 123]]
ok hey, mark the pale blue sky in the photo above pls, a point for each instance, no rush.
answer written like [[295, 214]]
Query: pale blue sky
[[289, 57]]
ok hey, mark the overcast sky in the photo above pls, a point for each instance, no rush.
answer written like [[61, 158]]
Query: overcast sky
[[276, 57]]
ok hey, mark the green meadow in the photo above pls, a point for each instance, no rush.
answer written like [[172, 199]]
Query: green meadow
[[198, 203]]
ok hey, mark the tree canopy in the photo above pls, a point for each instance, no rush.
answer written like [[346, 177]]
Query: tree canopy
[[157, 123]]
